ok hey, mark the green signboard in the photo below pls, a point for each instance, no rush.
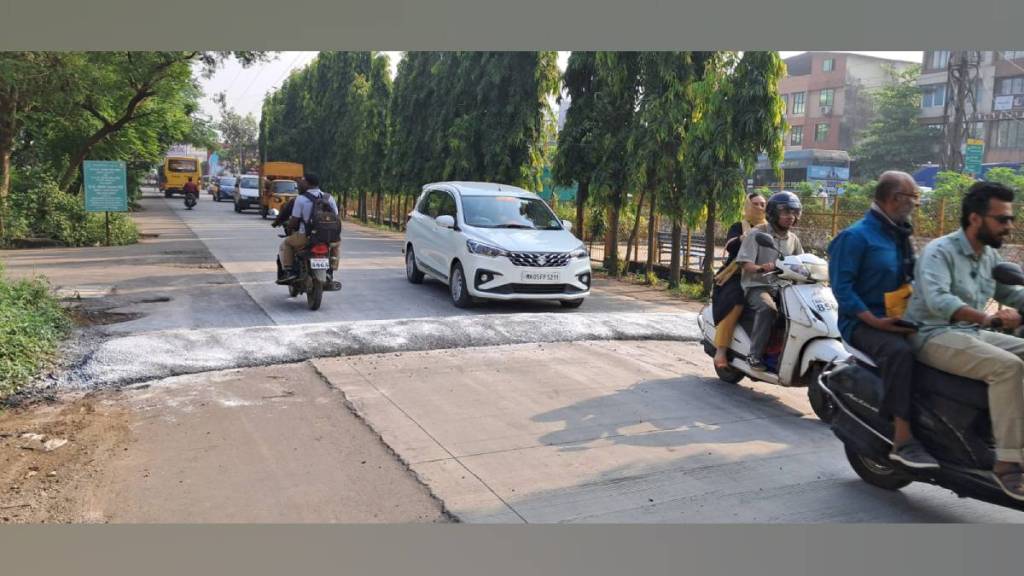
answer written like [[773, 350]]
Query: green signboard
[[106, 186], [973, 155]]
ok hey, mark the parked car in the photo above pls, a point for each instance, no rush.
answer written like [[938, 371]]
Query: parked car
[[247, 193], [223, 188], [494, 242]]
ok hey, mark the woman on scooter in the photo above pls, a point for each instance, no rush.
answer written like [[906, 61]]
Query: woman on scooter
[[727, 295]]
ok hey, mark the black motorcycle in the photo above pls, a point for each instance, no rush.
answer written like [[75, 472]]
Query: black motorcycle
[[190, 200], [950, 418], [315, 274]]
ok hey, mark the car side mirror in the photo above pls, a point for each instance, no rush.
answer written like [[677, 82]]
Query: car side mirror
[[446, 221], [567, 225], [1008, 273]]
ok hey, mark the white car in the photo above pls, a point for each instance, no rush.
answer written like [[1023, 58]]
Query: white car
[[247, 193], [496, 242]]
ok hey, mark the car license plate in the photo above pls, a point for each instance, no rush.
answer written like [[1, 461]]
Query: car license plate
[[541, 276], [319, 263]]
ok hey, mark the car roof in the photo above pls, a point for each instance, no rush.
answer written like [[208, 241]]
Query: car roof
[[482, 189]]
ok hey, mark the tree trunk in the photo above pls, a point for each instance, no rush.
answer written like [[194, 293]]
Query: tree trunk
[[380, 207], [677, 246], [344, 203], [581, 206], [636, 229], [611, 257], [8, 113], [652, 235], [709, 247]]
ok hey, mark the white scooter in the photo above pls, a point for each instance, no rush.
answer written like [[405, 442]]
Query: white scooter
[[809, 331]]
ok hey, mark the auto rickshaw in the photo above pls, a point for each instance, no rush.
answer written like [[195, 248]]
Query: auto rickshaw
[[279, 184]]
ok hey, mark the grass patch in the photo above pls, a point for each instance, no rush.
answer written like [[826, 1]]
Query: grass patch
[[690, 291], [32, 324]]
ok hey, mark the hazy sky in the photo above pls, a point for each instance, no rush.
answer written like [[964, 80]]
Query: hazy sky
[[245, 88]]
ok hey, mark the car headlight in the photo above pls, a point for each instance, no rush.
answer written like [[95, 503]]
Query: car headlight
[[482, 249], [579, 252]]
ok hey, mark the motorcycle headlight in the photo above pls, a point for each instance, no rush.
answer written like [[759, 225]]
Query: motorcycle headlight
[[482, 249], [579, 252]]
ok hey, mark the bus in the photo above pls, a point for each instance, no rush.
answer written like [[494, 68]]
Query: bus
[[176, 172]]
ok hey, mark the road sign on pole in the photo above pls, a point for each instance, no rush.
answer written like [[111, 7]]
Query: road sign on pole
[[973, 155], [106, 186]]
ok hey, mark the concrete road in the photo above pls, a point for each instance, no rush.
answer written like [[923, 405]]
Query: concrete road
[[372, 272], [638, 432]]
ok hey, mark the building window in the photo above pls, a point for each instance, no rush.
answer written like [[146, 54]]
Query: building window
[[798, 103], [821, 132], [935, 128], [1010, 86], [933, 96], [1013, 54], [796, 136], [826, 96], [939, 59], [1009, 134], [828, 65]]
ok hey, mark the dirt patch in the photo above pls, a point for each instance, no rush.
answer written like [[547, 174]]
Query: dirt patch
[[50, 454], [85, 317]]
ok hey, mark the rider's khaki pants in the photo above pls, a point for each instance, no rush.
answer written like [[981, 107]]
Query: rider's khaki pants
[[996, 359], [297, 241]]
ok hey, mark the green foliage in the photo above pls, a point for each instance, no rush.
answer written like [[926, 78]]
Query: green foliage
[[32, 323], [42, 210], [1008, 177], [896, 139], [952, 186]]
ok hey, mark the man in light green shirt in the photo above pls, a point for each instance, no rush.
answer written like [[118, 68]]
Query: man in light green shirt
[[953, 285]]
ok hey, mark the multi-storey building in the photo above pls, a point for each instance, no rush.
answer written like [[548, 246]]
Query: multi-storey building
[[997, 113], [826, 96]]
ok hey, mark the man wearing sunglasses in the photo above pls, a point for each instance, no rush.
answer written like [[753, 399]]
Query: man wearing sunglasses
[[953, 285]]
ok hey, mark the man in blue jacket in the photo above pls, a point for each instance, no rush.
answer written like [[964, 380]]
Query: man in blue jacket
[[868, 260]]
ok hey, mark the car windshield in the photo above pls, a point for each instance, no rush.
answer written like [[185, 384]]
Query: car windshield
[[285, 186], [227, 181], [249, 183], [509, 212]]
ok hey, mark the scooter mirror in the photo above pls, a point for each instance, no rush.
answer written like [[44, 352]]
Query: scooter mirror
[[765, 240], [1008, 273]]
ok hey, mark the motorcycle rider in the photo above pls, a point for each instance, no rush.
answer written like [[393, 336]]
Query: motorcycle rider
[[952, 289], [301, 213], [871, 264], [783, 213], [190, 188]]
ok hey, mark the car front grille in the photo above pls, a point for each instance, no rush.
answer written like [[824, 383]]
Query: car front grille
[[540, 259], [535, 289]]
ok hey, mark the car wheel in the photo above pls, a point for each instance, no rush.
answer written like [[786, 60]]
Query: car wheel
[[458, 289], [571, 303], [412, 271]]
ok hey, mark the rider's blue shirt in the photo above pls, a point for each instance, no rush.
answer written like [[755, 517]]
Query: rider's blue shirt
[[864, 263]]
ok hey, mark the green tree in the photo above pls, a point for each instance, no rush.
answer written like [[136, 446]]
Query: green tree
[[239, 133], [896, 139], [737, 116], [576, 155]]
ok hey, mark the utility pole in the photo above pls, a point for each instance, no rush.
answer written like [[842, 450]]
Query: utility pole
[[962, 73]]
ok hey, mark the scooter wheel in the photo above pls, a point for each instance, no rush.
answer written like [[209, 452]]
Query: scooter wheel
[[821, 403], [729, 374], [880, 474]]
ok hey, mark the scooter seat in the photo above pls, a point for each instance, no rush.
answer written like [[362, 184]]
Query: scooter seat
[[928, 380]]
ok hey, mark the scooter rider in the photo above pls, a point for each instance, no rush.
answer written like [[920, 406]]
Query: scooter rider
[[783, 212], [952, 289], [871, 265]]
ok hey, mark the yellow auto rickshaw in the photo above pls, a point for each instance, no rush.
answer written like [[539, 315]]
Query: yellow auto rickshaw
[[279, 183]]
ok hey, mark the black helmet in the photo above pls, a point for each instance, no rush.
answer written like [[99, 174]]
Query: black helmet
[[783, 200]]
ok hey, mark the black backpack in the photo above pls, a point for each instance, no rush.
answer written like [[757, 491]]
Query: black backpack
[[324, 224]]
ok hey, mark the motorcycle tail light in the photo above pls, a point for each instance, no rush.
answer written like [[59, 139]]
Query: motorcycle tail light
[[320, 250]]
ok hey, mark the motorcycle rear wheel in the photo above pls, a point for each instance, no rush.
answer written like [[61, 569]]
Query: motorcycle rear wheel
[[880, 474], [315, 294]]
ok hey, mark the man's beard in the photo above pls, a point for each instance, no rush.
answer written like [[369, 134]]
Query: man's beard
[[990, 238]]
